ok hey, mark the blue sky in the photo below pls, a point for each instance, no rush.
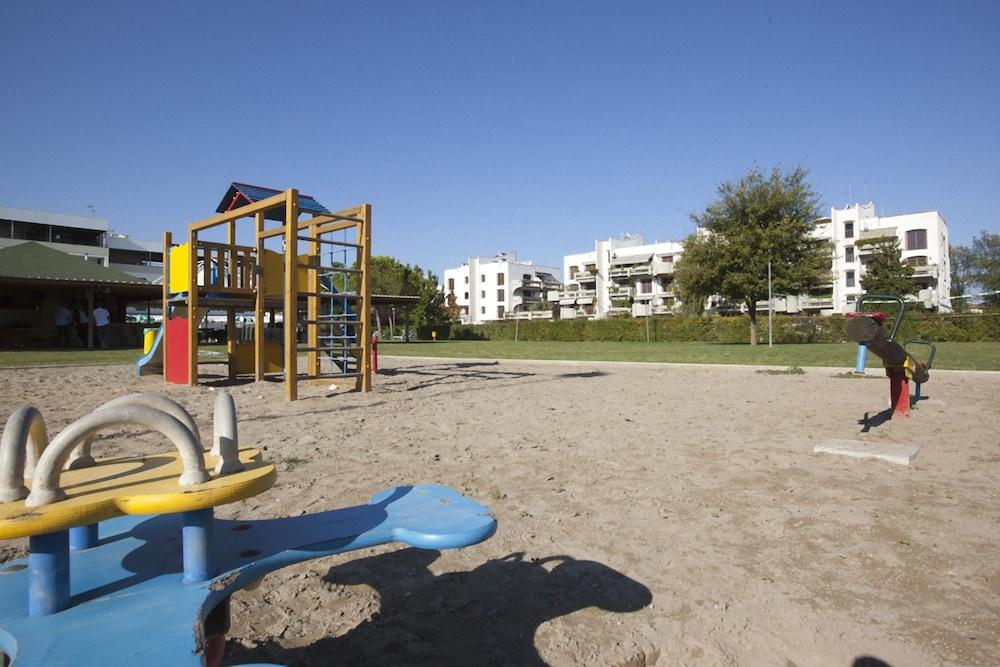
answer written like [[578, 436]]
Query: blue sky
[[474, 127]]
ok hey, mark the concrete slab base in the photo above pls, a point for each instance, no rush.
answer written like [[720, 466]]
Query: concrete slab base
[[859, 449]]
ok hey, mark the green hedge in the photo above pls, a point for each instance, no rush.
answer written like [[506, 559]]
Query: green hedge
[[716, 329]]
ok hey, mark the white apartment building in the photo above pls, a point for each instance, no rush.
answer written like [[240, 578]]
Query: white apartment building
[[620, 276], [82, 236], [854, 232], [491, 288]]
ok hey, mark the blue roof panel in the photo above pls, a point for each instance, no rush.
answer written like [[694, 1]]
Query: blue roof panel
[[241, 194]]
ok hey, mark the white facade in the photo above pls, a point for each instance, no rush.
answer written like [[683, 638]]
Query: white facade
[[923, 241], [492, 288], [620, 276]]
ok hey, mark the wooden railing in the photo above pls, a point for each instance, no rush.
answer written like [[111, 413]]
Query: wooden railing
[[227, 268]]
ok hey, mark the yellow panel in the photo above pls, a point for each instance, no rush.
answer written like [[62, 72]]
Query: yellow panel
[[274, 274], [179, 271], [245, 357], [303, 275], [134, 485]]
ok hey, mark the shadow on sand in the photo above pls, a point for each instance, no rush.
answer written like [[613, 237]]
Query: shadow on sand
[[487, 616]]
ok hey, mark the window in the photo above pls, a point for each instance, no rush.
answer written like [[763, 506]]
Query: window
[[482, 310], [849, 230], [499, 279], [482, 278], [466, 280], [451, 284], [849, 253], [572, 272], [919, 260], [500, 295], [466, 295], [916, 239], [645, 286], [850, 278], [482, 294], [500, 311]]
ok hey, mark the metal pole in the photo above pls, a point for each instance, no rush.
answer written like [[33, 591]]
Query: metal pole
[[770, 306]]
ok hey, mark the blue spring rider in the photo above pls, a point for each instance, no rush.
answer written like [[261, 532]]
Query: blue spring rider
[[128, 565]]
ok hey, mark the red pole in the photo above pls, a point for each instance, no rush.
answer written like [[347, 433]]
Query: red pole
[[374, 354], [899, 393]]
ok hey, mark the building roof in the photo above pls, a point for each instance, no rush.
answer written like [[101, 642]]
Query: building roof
[[241, 194], [50, 218], [34, 261]]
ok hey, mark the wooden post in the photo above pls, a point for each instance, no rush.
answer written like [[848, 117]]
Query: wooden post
[[168, 240], [258, 307], [90, 318], [291, 293], [364, 306], [193, 306], [230, 281], [312, 302], [231, 341]]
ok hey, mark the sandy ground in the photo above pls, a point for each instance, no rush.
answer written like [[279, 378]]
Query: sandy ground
[[647, 514]]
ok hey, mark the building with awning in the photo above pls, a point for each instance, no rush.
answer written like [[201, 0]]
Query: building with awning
[[35, 279], [620, 276]]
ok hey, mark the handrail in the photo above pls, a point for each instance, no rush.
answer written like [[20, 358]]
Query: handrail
[[17, 459], [45, 486], [891, 298], [225, 437], [81, 457]]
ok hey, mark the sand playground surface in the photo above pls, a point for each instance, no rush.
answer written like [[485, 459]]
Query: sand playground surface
[[648, 514]]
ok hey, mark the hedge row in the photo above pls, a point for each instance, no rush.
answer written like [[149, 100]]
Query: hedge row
[[717, 329]]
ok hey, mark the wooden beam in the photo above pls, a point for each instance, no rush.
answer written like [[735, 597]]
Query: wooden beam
[[336, 227], [291, 293], [192, 290], [168, 241], [364, 306], [241, 212], [231, 341], [90, 318], [258, 306], [312, 303]]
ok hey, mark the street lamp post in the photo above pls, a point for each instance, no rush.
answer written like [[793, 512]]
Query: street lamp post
[[770, 304]]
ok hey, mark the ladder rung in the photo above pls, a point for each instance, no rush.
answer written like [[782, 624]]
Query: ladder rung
[[329, 242], [347, 296], [337, 337]]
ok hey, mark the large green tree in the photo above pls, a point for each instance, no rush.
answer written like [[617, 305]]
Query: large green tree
[[885, 272], [760, 217], [961, 275], [986, 265], [392, 277]]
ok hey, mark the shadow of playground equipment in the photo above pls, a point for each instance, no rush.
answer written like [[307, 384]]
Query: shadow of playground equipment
[[487, 616]]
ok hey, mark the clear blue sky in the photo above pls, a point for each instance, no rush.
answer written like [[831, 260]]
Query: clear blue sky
[[475, 127]]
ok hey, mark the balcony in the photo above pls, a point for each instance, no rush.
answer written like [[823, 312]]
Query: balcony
[[815, 302], [630, 270], [621, 292], [660, 267]]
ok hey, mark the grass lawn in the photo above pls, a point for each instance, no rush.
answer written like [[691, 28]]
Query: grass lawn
[[965, 356], [81, 357]]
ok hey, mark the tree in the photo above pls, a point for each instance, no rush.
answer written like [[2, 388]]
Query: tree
[[985, 263], [392, 277], [761, 217], [886, 273], [961, 275]]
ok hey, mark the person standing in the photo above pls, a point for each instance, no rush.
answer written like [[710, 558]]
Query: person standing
[[64, 325], [102, 318]]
